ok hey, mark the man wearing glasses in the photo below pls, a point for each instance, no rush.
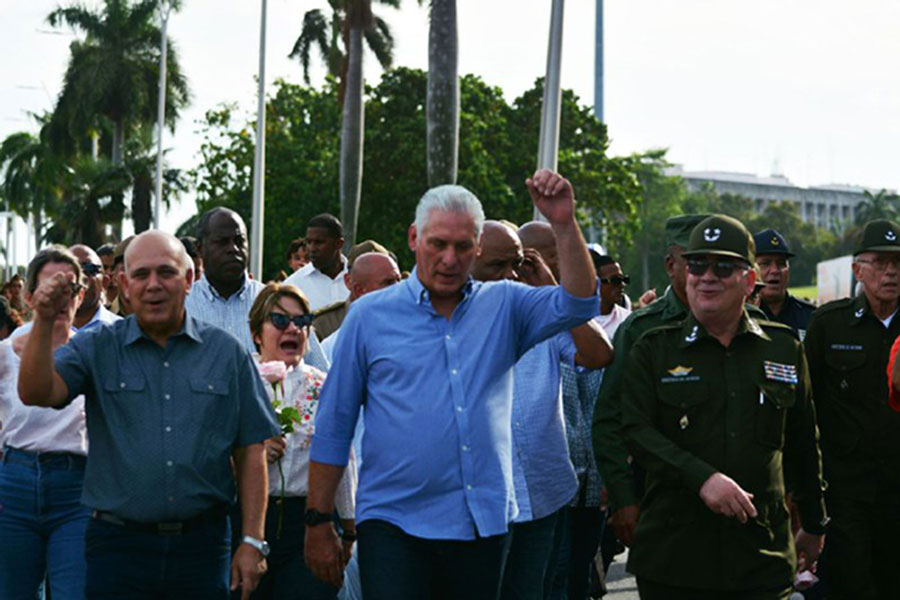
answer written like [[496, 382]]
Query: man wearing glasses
[[712, 405], [772, 257], [612, 292], [92, 310], [847, 345]]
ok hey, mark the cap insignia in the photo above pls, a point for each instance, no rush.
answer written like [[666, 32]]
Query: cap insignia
[[712, 235], [775, 241], [890, 235]]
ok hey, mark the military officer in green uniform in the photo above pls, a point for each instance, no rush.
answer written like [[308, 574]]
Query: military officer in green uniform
[[847, 346], [609, 447], [773, 257], [718, 410]]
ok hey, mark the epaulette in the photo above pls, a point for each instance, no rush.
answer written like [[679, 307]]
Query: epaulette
[[804, 303], [328, 308], [834, 305], [776, 326], [662, 329]]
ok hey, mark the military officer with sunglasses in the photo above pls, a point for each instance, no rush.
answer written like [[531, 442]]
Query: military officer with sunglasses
[[847, 346], [718, 410]]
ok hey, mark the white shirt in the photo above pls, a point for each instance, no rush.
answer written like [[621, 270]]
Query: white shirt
[[611, 322], [36, 428], [301, 389], [321, 289]]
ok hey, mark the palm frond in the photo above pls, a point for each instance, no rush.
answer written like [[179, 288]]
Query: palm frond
[[314, 32], [381, 42]]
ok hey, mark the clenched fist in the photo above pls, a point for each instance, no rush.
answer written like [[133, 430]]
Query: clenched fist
[[552, 195], [53, 295]]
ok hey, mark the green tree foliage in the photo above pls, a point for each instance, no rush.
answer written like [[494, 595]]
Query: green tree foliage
[[498, 145]]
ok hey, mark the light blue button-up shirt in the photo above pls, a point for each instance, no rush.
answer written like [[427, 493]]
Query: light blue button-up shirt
[[544, 478], [438, 399]]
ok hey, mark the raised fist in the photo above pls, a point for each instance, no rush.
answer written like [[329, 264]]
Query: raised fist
[[53, 295], [553, 196]]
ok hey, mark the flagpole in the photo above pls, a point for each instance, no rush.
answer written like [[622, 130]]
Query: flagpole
[[259, 159], [548, 145]]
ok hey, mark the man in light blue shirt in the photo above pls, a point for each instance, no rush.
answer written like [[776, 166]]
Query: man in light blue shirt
[[224, 294], [431, 358], [543, 475]]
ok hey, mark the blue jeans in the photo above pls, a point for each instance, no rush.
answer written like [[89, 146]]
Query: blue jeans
[[394, 565], [529, 558], [136, 565], [42, 525]]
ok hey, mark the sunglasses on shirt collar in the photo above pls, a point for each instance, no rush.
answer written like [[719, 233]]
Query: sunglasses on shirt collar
[[281, 320], [722, 269]]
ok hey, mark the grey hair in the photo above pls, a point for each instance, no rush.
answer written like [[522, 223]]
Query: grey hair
[[449, 198]]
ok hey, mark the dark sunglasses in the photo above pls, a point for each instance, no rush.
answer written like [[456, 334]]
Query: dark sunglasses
[[281, 320], [90, 269], [616, 279], [722, 269]]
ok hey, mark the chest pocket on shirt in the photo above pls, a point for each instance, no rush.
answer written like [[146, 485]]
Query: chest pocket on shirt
[[847, 365], [684, 411], [209, 403], [126, 386], [771, 413]]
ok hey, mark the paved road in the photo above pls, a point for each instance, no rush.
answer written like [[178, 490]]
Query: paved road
[[621, 585]]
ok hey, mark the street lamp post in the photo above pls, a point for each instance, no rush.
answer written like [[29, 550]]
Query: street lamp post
[[161, 109], [548, 146], [259, 159]]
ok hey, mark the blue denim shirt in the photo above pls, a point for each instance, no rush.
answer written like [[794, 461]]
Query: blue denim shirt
[[542, 472], [438, 398], [163, 422]]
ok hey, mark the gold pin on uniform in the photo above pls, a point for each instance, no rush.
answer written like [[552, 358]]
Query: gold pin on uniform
[[683, 422]]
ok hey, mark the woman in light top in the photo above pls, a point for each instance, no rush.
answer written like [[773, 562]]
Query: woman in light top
[[42, 520], [279, 322]]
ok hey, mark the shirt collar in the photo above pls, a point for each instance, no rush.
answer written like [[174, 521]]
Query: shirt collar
[[673, 309], [212, 293], [692, 331], [421, 294], [133, 331]]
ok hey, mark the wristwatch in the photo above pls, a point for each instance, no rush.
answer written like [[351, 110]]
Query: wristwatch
[[261, 545], [314, 517]]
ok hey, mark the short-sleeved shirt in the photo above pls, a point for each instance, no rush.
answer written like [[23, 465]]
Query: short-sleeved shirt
[[438, 399], [542, 472], [163, 421]]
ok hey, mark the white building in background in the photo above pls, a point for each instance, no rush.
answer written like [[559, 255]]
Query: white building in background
[[827, 206]]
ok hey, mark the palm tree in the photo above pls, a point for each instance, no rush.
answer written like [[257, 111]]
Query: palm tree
[[113, 72], [881, 205], [340, 42], [442, 100]]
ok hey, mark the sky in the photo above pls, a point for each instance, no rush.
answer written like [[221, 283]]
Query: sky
[[806, 88]]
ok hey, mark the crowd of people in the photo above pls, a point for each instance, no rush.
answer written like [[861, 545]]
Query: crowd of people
[[499, 421]]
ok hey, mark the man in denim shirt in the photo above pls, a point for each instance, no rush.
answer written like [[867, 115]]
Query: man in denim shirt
[[169, 402], [543, 476], [432, 359]]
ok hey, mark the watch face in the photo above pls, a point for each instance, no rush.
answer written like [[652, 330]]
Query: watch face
[[264, 548]]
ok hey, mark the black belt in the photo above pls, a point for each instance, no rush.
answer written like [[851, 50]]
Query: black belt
[[61, 460], [162, 527]]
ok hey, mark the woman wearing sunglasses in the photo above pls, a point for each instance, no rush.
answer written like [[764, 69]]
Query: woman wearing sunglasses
[[279, 323]]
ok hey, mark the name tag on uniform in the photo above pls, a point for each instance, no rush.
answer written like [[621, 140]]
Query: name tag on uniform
[[780, 372]]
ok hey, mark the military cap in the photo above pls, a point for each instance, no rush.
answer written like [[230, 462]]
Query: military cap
[[879, 235], [678, 229], [363, 247], [724, 235], [769, 241], [119, 252]]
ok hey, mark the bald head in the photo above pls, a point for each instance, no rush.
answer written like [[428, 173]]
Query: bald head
[[539, 236], [371, 271], [155, 241], [501, 253]]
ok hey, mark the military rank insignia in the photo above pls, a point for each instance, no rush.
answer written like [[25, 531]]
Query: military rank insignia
[[780, 372]]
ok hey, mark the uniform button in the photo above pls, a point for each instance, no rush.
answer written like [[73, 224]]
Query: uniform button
[[452, 372], [210, 387], [122, 385], [167, 396], [168, 463], [168, 429], [166, 364]]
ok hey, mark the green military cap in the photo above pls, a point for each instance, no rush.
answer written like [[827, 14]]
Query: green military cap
[[879, 235], [721, 234], [363, 247], [678, 229]]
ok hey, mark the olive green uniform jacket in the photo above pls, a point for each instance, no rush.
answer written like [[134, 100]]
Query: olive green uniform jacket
[[691, 408], [847, 348]]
